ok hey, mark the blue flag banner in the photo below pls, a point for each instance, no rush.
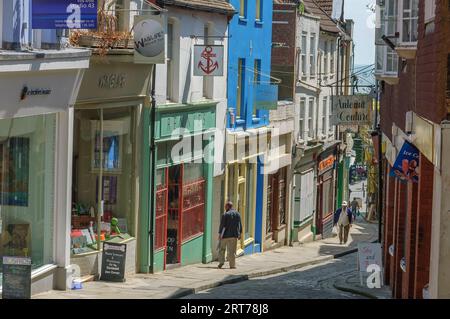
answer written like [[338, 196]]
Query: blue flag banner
[[64, 14], [406, 166]]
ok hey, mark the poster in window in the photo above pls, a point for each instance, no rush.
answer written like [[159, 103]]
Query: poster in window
[[109, 194], [14, 171], [16, 240]]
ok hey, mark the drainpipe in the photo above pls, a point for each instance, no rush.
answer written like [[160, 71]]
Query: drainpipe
[[152, 171]]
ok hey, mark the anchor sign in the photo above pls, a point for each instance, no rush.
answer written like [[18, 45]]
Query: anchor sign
[[208, 60]]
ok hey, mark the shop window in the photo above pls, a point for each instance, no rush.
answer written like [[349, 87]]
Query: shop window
[[327, 197], [104, 166], [282, 197], [193, 205], [269, 207], [306, 195], [161, 209], [249, 201], [27, 175]]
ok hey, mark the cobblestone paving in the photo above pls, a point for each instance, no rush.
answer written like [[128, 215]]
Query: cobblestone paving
[[312, 282]]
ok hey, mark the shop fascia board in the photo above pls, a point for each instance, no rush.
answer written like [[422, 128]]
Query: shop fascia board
[[179, 107], [11, 61]]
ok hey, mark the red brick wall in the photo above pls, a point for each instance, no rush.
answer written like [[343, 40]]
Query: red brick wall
[[410, 243], [394, 235], [399, 238], [284, 33], [423, 226], [422, 81], [388, 220]]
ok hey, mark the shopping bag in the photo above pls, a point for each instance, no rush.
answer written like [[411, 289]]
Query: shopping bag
[[334, 231]]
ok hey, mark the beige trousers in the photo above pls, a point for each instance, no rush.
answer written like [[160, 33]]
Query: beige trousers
[[229, 245], [343, 233]]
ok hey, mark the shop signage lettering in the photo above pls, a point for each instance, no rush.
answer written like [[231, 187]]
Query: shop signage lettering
[[112, 81], [406, 166], [26, 91], [113, 262], [64, 14], [208, 60], [149, 39], [352, 110], [326, 163], [16, 278]]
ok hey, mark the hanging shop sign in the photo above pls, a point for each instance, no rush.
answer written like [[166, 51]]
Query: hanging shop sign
[[352, 110], [406, 166], [208, 60], [64, 14], [327, 163], [113, 262], [149, 41], [16, 278], [265, 96]]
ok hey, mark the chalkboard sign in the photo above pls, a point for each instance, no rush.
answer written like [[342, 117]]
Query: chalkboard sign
[[16, 282], [172, 246], [113, 262]]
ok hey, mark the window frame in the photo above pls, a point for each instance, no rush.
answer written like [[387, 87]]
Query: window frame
[[259, 10], [412, 38], [311, 102], [312, 55], [302, 118], [243, 9]]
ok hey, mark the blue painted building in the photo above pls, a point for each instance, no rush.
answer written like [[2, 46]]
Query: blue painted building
[[249, 62]]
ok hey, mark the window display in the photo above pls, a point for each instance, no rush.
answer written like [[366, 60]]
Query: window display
[[27, 174], [103, 177]]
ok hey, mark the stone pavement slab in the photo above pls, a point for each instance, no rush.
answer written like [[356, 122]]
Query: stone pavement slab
[[179, 282]]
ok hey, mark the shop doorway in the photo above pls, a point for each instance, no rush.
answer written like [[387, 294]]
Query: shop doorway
[[276, 204], [173, 251]]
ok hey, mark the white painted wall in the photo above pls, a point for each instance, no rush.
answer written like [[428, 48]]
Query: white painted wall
[[187, 88], [307, 87]]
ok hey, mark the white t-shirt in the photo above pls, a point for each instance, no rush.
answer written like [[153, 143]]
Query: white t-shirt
[[343, 218]]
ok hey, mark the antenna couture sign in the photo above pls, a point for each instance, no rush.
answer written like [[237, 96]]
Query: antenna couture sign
[[149, 39], [208, 60], [64, 14], [352, 110]]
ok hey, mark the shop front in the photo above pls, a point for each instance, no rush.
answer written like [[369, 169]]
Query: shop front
[[35, 131], [184, 181], [304, 195], [277, 171], [106, 160], [326, 179], [245, 184]]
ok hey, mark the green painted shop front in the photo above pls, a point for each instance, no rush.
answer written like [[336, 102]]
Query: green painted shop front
[[180, 226]]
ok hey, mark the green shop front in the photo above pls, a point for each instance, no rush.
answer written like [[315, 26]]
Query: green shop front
[[181, 221]]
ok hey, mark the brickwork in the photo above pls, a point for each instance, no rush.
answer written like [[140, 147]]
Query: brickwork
[[423, 227]]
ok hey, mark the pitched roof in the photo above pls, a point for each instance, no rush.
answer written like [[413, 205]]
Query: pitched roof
[[218, 6], [326, 5], [326, 22]]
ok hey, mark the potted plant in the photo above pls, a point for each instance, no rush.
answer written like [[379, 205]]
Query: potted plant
[[106, 36]]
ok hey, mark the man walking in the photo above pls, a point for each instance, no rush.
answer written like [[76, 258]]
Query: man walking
[[343, 219], [355, 208], [230, 230]]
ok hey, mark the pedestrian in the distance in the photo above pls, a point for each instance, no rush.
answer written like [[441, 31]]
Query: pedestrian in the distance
[[230, 231], [343, 220], [355, 208]]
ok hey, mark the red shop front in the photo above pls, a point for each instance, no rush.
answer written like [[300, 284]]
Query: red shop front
[[180, 211], [325, 192]]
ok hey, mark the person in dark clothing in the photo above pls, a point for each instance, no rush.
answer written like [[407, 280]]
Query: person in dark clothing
[[343, 218], [230, 231]]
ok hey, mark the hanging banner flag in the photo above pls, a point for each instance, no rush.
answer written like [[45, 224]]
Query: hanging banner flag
[[352, 110], [265, 96], [406, 166], [149, 39], [64, 14], [208, 60]]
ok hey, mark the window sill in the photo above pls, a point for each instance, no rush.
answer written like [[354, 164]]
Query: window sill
[[256, 120], [243, 20], [240, 122], [259, 23], [248, 242]]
